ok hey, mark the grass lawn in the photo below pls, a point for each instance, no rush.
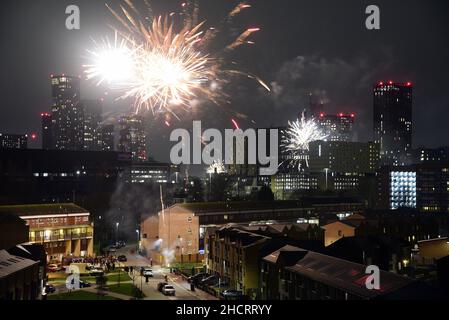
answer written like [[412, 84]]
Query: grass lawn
[[125, 288], [113, 278], [79, 295]]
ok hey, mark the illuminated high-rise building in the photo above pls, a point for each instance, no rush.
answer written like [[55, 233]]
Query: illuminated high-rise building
[[393, 121], [92, 110], [338, 127], [47, 131], [67, 113], [132, 137]]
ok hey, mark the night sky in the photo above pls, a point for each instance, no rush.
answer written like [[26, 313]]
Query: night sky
[[304, 46]]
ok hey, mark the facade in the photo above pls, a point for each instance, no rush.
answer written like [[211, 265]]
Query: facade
[[92, 118], [344, 157], [67, 114], [13, 141], [423, 154], [433, 187], [424, 186], [107, 137], [40, 176], [397, 188], [63, 229], [233, 255], [132, 137], [47, 131], [151, 173], [393, 122], [284, 184], [338, 127]]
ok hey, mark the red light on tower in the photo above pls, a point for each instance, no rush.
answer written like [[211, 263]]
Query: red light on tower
[[352, 115], [33, 136], [409, 84], [381, 83], [341, 115], [390, 82], [321, 115]]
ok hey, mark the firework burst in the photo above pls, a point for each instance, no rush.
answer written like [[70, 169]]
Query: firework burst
[[216, 167], [297, 137], [164, 63]]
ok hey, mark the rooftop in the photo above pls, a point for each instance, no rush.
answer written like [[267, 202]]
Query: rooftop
[[345, 275], [43, 209], [10, 264]]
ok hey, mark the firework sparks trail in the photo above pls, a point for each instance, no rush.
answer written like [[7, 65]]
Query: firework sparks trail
[[216, 167], [236, 125], [297, 138], [164, 66]]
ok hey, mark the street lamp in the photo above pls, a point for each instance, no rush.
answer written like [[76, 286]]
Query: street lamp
[[116, 231], [138, 239]]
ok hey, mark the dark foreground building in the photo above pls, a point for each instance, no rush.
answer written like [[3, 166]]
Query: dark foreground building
[[42, 176], [292, 273]]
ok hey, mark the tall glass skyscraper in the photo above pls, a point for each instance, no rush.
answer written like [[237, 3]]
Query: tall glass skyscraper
[[67, 114], [393, 122]]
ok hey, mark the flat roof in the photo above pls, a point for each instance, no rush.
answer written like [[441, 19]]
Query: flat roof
[[10, 264], [44, 209]]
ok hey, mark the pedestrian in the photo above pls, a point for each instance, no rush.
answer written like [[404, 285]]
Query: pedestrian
[[151, 262], [131, 269]]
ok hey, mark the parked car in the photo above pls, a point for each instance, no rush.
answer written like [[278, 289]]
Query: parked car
[[53, 267], [232, 294], [161, 285], [147, 272], [96, 272], [168, 290], [122, 258], [209, 281], [197, 277], [49, 288]]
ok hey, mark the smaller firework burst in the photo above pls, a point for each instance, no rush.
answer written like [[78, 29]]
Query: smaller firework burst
[[297, 137], [217, 167]]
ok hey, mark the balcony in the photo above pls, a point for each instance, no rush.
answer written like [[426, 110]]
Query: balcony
[[60, 237]]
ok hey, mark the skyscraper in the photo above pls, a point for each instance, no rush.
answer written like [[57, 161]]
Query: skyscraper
[[47, 132], [92, 110], [67, 115], [393, 121], [132, 137]]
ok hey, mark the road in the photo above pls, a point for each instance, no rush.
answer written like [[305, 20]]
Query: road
[[181, 286]]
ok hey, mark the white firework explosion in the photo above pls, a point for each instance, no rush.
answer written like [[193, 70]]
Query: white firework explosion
[[216, 167], [297, 137]]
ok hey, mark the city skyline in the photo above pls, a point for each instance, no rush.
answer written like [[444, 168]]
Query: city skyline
[[244, 150], [305, 57]]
